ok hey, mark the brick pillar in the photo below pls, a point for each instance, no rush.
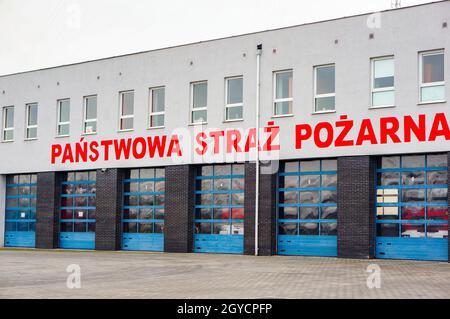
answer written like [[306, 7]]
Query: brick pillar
[[267, 209], [179, 208], [47, 210], [448, 199], [108, 230], [2, 209], [356, 207]]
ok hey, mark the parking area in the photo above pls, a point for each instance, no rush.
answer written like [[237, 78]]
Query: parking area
[[43, 274]]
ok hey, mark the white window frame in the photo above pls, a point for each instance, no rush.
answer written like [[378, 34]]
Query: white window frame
[[372, 81], [27, 126], [121, 116], [4, 128], [232, 105], [288, 99], [316, 96], [431, 84], [203, 108], [86, 120], [58, 123], [151, 112]]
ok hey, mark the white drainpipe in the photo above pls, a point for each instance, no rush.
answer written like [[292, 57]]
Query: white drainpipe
[[258, 64]]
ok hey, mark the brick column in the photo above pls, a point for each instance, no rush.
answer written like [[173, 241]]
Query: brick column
[[267, 209], [109, 194], [448, 199], [47, 209], [2, 209], [179, 208], [356, 207]]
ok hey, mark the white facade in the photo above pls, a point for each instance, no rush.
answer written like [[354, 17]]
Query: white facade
[[346, 43]]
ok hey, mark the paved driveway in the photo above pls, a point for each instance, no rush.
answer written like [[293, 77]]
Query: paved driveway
[[42, 274]]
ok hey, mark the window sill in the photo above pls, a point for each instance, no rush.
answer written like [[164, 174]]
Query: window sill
[[124, 131], [432, 102], [195, 124], [231, 121], [7, 141], [283, 115], [87, 134], [381, 107], [155, 127], [30, 139], [62, 136], [323, 112]]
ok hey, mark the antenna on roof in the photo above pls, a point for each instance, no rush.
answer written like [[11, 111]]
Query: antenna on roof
[[396, 4]]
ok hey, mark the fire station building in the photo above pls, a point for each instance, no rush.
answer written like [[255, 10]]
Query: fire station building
[[324, 139]]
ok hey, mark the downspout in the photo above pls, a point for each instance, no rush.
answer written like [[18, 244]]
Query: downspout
[[257, 115]]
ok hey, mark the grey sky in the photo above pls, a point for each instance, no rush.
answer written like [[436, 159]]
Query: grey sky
[[37, 34]]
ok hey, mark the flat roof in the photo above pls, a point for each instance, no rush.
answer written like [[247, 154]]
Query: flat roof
[[223, 38]]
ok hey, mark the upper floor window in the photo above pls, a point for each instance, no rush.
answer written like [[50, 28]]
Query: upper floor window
[[234, 98], [383, 91], [432, 81], [31, 121], [63, 127], [157, 106], [199, 102], [126, 110], [324, 88], [90, 115], [282, 103], [8, 123]]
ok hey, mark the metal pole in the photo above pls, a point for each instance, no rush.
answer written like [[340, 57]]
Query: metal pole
[[258, 64]]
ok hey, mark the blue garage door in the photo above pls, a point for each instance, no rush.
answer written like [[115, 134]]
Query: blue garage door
[[143, 210], [307, 208], [412, 208], [219, 209], [77, 222], [20, 210]]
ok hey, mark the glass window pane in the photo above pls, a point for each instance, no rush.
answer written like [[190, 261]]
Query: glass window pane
[[159, 213], [325, 80], [328, 229], [203, 213], [389, 179], [158, 100], [157, 120], [309, 166], [437, 195], [237, 228], [234, 113], [126, 124], [91, 107], [238, 169], [237, 199], [8, 135], [222, 184], [221, 170], [9, 117], [288, 213], [329, 165], [128, 103], [283, 85], [283, 108], [433, 93], [237, 213], [289, 197], [146, 213], [66, 227], [383, 73], [390, 162], [388, 212], [413, 161], [130, 227], [158, 228], [291, 181], [413, 195], [238, 184], [309, 212], [200, 91], [147, 173], [413, 178], [90, 127], [383, 98], [329, 212], [437, 160], [329, 197], [235, 91], [222, 213], [437, 231], [307, 181], [146, 228], [387, 230], [32, 132], [199, 116], [221, 228], [433, 68], [413, 230], [32, 114], [64, 110], [206, 170], [222, 199], [309, 197], [437, 178], [413, 212], [79, 227], [308, 229], [64, 129], [203, 228], [325, 103], [291, 167], [437, 212], [287, 229]]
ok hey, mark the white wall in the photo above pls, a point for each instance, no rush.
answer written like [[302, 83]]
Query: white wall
[[2, 209], [402, 33]]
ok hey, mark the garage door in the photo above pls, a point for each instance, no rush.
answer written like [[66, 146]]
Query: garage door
[[307, 208], [78, 204], [412, 208], [143, 210], [219, 209], [20, 212]]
